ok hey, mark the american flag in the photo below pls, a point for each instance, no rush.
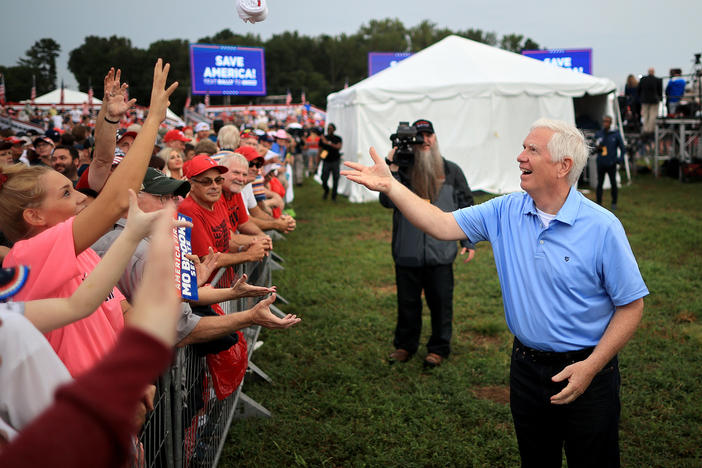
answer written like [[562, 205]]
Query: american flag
[[2, 89], [303, 98], [288, 98], [61, 102], [346, 83], [187, 102], [207, 100], [90, 93], [33, 92]]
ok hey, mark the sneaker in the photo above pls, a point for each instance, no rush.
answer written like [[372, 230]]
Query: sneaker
[[614, 207]]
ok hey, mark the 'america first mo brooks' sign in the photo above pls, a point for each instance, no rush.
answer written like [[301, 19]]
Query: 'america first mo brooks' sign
[[218, 69]]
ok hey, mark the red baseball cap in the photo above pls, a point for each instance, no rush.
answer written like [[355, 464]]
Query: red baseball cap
[[200, 164], [125, 133], [175, 134], [249, 152], [13, 140]]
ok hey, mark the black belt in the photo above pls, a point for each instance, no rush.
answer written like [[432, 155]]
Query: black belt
[[550, 357]]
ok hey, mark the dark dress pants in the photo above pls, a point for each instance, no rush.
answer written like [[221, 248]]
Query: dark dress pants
[[330, 167], [611, 171], [437, 283], [588, 427]]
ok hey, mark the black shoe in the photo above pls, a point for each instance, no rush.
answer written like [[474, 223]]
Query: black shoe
[[325, 196]]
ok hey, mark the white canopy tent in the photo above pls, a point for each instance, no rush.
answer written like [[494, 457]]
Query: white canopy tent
[[78, 98], [481, 99]]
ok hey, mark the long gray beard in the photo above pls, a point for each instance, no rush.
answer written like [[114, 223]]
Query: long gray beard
[[427, 173]]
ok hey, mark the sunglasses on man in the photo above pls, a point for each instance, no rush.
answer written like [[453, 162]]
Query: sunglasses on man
[[257, 163], [208, 181]]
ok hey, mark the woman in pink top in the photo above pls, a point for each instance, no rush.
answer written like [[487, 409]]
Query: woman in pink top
[[53, 227]]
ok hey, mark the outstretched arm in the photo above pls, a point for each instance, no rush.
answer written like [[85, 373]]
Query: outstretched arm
[[211, 328], [114, 106], [50, 314], [208, 295], [423, 215], [99, 216]]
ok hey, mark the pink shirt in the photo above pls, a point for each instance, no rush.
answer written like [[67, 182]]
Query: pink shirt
[[55, 271]]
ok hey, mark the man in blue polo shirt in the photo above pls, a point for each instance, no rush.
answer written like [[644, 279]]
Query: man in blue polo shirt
[[571, 288]]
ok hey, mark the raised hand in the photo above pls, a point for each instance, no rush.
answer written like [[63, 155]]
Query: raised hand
[[156, 303], [377, 177], [243, 289], [262, 315], [140, 224], [205, 267], [159, 93], [115, 98]]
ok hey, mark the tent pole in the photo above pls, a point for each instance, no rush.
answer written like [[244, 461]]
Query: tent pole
[[618, 116]]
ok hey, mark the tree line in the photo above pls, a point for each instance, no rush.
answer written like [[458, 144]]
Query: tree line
[[318, 65]]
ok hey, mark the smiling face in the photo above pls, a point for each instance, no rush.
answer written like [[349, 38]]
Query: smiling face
[[539, 171], [254, 169], [63, 162], [237, 177], [204, 187]]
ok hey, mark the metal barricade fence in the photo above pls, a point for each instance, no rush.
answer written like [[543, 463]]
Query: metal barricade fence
[[189, 424]]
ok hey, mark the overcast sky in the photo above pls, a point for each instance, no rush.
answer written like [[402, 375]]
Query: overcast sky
[[625, 36]]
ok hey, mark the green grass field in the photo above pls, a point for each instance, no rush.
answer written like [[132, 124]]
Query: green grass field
[[337, 403]]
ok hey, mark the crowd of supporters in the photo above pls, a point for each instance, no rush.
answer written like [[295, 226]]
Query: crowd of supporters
[[82, 338]]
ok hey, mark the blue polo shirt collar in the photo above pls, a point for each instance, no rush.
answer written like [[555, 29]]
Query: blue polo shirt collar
[[568, 211]]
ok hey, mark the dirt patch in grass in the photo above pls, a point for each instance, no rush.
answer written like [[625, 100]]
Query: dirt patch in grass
[[480, 341], [685, 317], [385, 289], [496, 393]]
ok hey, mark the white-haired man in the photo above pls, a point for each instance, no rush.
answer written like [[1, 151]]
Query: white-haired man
[[572, 292], [235, 179]]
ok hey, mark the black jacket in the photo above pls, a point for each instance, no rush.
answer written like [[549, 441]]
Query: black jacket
[[412, 247], [650, 89]]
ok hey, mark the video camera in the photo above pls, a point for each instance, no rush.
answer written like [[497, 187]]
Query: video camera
[[403, 139]]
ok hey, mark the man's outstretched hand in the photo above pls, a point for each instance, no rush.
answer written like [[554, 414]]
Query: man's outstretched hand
[[377, 177]]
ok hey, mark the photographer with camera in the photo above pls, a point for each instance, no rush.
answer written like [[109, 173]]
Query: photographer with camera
[[330, 146], [421, 261]]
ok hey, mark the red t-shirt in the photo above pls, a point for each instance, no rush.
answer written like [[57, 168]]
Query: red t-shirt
[[235, 208], [83, 181], [278, 188], [211, 228]]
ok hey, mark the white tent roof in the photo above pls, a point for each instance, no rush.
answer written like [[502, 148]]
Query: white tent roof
[[72, 97], [481, 99], [456, 66]]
